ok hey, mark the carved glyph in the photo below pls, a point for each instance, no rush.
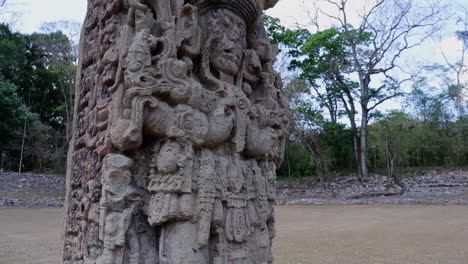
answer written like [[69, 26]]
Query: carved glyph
[[180, 125]]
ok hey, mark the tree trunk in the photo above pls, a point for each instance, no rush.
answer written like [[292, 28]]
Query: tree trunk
[[391, 157], [364, 81], [363, 151], [357, 155], [167, 163], [351, 112], [22, 147], [288, 161], [317, 158], [1, 162]]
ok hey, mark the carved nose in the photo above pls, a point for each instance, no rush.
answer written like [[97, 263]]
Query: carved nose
[[229, 46]]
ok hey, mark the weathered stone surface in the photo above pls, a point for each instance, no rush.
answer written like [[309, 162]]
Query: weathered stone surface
[[180, 125]]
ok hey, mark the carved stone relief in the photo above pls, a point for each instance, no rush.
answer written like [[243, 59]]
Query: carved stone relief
[[180, 125]]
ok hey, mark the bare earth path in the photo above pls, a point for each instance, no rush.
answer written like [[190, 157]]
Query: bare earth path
[[306, 235]]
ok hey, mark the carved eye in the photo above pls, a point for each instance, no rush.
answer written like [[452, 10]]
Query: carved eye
[[242, 103], [188, 124], [139, 54], [105, 93], [179, 68], [227, 111]]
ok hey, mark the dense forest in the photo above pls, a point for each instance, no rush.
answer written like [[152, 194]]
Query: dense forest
[[337, 80], [37, 73]]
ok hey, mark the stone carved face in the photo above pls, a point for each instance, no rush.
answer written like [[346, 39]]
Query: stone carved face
[[116, 182], [226, 41], [137, 58], [110, 62], [138, 55], [227, 57]]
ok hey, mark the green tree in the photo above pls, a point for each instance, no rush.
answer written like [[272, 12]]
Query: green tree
[[297, 161], [55, 70], [13, 112], [13, 55], [440, 137], [390, 143], [13, 115], [42, 68], [455, 71]]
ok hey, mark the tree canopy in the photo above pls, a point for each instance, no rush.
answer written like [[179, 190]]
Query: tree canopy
[[36, 88]]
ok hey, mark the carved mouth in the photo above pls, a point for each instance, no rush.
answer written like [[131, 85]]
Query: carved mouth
[[134, 66]]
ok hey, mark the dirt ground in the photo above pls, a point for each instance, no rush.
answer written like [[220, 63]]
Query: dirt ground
[[306, 235]]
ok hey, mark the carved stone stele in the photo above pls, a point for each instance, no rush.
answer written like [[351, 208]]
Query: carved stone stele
[[179, 127]]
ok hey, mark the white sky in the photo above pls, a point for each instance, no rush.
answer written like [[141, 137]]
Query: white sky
[[34, 12]]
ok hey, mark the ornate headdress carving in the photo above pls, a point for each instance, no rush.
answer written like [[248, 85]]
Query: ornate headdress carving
[[247, 10]]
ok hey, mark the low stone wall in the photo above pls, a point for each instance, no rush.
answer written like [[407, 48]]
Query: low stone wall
[[31, 190], [436, 187]]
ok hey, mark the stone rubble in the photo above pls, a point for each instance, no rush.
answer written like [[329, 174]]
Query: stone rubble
[[436, 187]]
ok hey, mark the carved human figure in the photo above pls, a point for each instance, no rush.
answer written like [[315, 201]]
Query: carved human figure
[[115, 214]]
